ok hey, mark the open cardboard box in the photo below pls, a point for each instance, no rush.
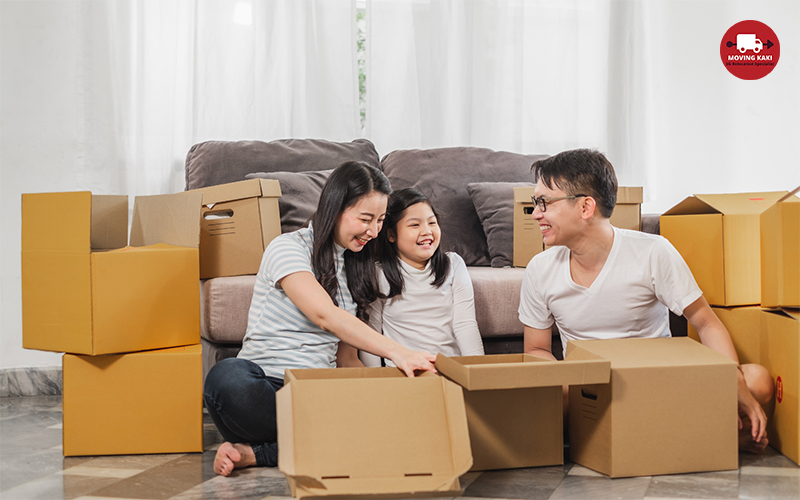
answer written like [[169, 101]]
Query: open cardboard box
[[528, 238], [239, 220], [671, 407], [780, 254], [719, 238], [143, 402], [515, 405], [371, 433], [84, 291], [780, 354]]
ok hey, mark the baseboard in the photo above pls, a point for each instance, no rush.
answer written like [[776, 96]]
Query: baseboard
[[35, 381]]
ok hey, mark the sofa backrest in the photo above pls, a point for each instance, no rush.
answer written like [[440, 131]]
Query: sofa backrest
[[219, 162], [443, 174]]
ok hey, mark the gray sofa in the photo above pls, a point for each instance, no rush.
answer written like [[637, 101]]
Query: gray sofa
[[471, 189]]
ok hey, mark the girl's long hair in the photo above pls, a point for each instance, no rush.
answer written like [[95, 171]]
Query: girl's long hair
[[399, 201], [346, 185]]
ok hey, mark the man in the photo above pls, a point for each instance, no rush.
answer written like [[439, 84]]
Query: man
[[601, 282]]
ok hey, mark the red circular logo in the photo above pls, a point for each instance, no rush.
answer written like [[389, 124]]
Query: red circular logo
[[750, 50]]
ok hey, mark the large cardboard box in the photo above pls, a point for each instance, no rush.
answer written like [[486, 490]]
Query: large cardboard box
[[528, 238], [85, 292], [371, 432], [719, 238], [780, 354], [744, 325], [780, 254], [670, 408], [144, 402], [239, 220], [515, 405]]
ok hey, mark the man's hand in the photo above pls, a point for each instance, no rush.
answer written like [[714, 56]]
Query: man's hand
[[749, 407]]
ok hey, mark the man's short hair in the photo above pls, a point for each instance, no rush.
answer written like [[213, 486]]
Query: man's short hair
[[580, 171]]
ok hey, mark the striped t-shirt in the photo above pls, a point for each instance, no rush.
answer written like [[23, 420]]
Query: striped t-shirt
[[279, 335]]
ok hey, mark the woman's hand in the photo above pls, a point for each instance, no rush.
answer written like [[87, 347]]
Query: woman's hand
[[409, 361]]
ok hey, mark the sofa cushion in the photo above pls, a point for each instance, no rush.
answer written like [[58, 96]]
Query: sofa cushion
[[494, 202], [497, 294], [219, 162], [443, 174], [224, 307], [299, 195]]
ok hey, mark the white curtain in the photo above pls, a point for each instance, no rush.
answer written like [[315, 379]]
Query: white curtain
[[640, 80], [166, 74], [109, 95]]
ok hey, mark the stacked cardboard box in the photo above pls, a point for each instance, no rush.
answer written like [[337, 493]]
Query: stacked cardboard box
[[528, 238], [744, 250], [127, 317]]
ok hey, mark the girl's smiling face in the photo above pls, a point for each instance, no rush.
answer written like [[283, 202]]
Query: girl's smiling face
[[417, 235], [360, 223]]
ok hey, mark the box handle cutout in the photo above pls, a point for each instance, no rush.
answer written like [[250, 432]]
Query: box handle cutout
[[588, 395], [527, 210], [219, 214], [418, 474], [335, 477]]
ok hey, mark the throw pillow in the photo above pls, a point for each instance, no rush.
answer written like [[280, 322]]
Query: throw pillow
[[299, 195], [494, 202]]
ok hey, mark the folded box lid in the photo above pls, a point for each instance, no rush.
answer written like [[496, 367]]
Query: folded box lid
[[512, 371], [371, 432], [252, 188], [729, 204]]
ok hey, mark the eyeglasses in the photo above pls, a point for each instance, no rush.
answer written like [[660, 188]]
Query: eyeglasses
[[542, 202]]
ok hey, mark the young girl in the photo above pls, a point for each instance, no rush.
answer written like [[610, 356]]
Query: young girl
[[310, 287], [429, 299]]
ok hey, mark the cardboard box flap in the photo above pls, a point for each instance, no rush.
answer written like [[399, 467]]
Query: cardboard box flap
[[638, 353], [627, 195], [513, 371], [371, 487], [56, 222], [729, 204], [790, 312], [339, 440], [173, 219], [109, 222], [252, 188]]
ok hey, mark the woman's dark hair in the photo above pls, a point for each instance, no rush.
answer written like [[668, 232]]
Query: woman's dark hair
[[399, 201], [580, 171], [346, 185]]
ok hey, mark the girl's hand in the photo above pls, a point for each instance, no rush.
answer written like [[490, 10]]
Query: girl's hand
[[409, 361]]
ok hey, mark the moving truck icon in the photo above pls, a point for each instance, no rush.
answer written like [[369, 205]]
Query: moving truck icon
[[745, 42]]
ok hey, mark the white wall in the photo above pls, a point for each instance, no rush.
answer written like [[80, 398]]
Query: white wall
[[714, 133]]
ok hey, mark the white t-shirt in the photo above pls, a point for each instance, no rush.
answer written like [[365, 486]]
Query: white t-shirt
[[642, 277], [279, 335], [426, 318]]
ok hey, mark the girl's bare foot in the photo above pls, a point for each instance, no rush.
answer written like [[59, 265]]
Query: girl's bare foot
[[233, 456]]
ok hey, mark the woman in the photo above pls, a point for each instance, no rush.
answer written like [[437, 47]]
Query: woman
[[310, 301]]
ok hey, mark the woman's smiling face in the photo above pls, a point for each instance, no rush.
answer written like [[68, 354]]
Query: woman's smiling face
[[361, 222]]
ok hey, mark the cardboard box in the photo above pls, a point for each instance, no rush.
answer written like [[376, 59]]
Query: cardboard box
[[671, 407], [371, 432], [719, 238], [239, 220], [85, 292], [744, 325], [515, 405], [780, 254], [528, 238], [780, 354], [144, 402]]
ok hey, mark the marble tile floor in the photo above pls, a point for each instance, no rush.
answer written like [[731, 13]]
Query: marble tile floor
[[32, 467]]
